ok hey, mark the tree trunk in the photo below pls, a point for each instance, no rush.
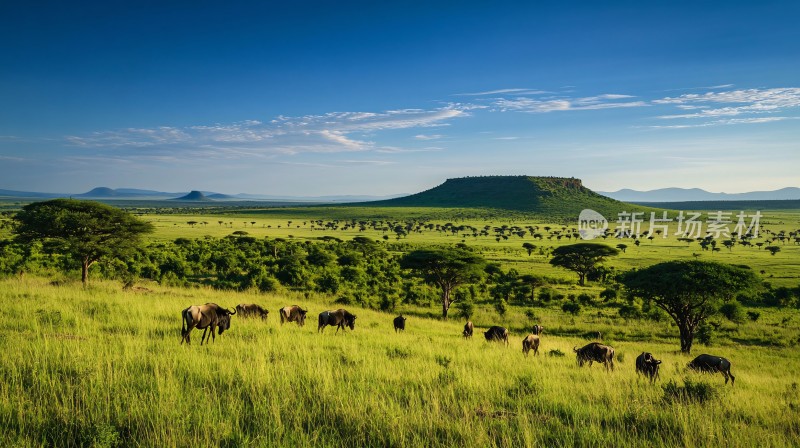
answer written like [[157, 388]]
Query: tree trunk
[[581, 277], [85, 271], [687, 337], [445, 302]]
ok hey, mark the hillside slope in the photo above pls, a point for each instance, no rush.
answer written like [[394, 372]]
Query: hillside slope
[[556, 197]]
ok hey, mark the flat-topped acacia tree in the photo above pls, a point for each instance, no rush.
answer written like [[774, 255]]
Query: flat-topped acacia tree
[[689, 290], [447, 268], [581, 258], [87, 231]]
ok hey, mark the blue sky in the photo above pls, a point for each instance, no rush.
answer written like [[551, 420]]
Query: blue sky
[[318, 98]]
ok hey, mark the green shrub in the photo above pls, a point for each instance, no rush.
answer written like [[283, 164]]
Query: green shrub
[[733, 311], [465, 309], [630, 312], [705, 333], [573, 308]]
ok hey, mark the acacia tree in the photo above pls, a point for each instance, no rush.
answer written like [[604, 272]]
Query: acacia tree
[[84, 230], [689, 290], [446, 268], [581, 258]]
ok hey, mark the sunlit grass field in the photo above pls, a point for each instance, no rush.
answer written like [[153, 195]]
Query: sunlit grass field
[[103, 366]]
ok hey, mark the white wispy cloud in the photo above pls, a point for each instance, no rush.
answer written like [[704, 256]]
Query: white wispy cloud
[[369, 162], [733, 102], [12, 158], [730, 121], [331, 132], [535, 105], [505, 91], [428, 137]]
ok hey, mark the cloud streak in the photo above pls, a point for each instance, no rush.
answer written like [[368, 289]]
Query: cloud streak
[[325, 133], [505, 91], [733, 102], [534, 105]]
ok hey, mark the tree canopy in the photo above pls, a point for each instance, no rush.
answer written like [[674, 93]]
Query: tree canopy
[[689, 290], [447, 268], [581, 258], [84, 230]]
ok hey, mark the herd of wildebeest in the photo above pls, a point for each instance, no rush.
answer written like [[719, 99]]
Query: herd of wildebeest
[[218, 319]]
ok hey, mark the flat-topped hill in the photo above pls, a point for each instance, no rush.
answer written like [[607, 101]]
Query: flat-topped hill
[[550, 196]]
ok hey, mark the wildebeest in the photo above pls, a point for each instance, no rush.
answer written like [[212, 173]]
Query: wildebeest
[[496, 333], [293, 314], [595, 352], [399, 323], [531, 342], [713, 364], [647, 365], [538, 329], [468, 328], [204, 316], [251, 309], [340, 318]]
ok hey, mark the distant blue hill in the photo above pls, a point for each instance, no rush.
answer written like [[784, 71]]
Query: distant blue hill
[[697, 194], [194, 196], [29, 194]]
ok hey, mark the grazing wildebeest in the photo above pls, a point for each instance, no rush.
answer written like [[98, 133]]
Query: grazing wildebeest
[[468, 328], [538, 329], [531, 342], [204, 316], [251, 309], [595, 352], [647, 365], [340, 318], [496, 333], [713, 364], [399, 323], [293, 314]]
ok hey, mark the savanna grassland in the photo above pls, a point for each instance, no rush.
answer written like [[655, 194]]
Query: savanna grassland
[[311, 223], [101, 366]]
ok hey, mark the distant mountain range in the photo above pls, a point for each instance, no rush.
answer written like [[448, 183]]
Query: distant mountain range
[[192, 196], [697, 194], [458, 194]]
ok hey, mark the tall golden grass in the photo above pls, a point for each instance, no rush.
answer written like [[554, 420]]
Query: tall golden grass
[[104, 367]]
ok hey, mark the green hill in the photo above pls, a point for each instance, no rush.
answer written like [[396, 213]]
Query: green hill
[[555, 197]]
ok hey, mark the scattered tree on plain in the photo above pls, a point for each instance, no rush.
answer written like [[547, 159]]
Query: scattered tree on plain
[[582, 258], [689, 290], [85, 230], [445, 268]]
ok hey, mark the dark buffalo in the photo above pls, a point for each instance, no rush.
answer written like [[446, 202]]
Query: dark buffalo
[[496, 334], [531, 342], [595, 352], [538, 330], [340, 318], [293, 314], [399, 323], [251, 309], [647, 365], [713, 364], [468, 328], [202, 317]]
